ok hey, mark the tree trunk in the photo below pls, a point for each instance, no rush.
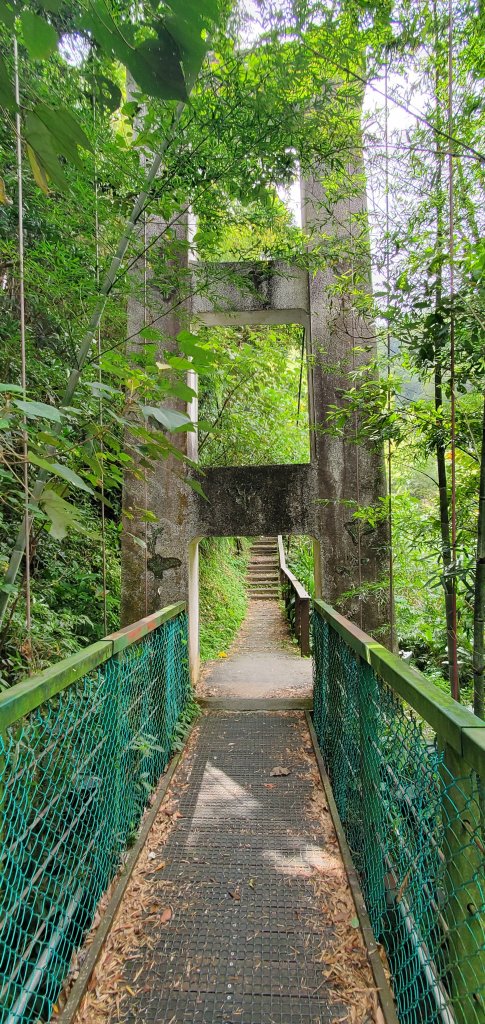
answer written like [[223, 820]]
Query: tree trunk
[[479, 600], [444, 522], [440, 446]]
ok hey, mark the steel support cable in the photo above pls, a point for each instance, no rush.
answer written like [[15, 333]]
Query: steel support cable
[[145, 320], [455, 680], [388, 347], [100, 377], [23, 355]]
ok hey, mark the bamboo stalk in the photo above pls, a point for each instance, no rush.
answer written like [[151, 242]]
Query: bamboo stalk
[[479, 599]]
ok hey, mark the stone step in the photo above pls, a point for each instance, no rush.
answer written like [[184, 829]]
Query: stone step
[[263, 570]]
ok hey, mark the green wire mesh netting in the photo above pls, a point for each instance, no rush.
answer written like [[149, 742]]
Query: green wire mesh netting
[[414, 820], [76, 775]]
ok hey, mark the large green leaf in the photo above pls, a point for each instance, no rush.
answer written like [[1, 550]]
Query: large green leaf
[[181, 390], [52, 133], [196, 11], [7, 98], [40, 38], [39, 410], [7, 15], [156, 67], [196, 486], [108, 94], [63, 516], [66, 133], [57, 469], [53, 6], [38, 171], [191, 45], [171, 419], [190, 25], [97, 20], [41, 141], [150, 334]]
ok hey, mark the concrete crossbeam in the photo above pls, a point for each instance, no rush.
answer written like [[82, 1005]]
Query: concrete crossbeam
[[234, 294]]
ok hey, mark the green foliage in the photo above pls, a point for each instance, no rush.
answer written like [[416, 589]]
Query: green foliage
[[250, 401], [189, 714], [67, 597], [418, 569], [223, 601], [161, 46], [300, 561], [257, 113]]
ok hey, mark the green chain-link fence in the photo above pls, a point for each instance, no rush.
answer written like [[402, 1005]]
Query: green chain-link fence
[[409, 791], [81, 748]]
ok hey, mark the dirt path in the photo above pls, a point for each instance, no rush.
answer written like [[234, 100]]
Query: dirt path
[[263, 661]]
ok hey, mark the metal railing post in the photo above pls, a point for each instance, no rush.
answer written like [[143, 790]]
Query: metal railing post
[[305, 627], [292, 588]]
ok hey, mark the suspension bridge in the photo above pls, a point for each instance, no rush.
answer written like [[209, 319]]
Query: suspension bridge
[[306, 857]]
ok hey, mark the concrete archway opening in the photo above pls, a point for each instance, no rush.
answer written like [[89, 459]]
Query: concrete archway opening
[[260, 656]]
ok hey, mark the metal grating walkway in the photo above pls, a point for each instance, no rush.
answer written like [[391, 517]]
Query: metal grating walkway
[[246, 941]]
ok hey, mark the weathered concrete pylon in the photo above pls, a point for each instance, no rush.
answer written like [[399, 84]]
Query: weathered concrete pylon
[[341, 340], [154, 554], [318, 498]]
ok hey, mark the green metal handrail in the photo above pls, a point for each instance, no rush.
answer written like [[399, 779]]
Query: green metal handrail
[[297, 602], [32, 692], [82, 746], [407, 768], [455, 725]]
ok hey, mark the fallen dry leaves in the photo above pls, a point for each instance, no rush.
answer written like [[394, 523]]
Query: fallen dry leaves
[[279, 770], [107, 985], [346, 972], [345, 963]]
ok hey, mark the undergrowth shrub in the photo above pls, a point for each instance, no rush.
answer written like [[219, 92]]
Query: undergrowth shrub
[[299, 559], [223, 592]]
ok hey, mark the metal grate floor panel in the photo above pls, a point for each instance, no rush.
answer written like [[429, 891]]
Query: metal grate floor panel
[[246, 941]]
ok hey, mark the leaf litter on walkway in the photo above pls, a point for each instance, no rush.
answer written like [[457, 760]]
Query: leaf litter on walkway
[[345, 962], [346, 972], [128, 935]]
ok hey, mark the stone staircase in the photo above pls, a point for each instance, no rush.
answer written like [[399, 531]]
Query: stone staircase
[[263, 570]]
